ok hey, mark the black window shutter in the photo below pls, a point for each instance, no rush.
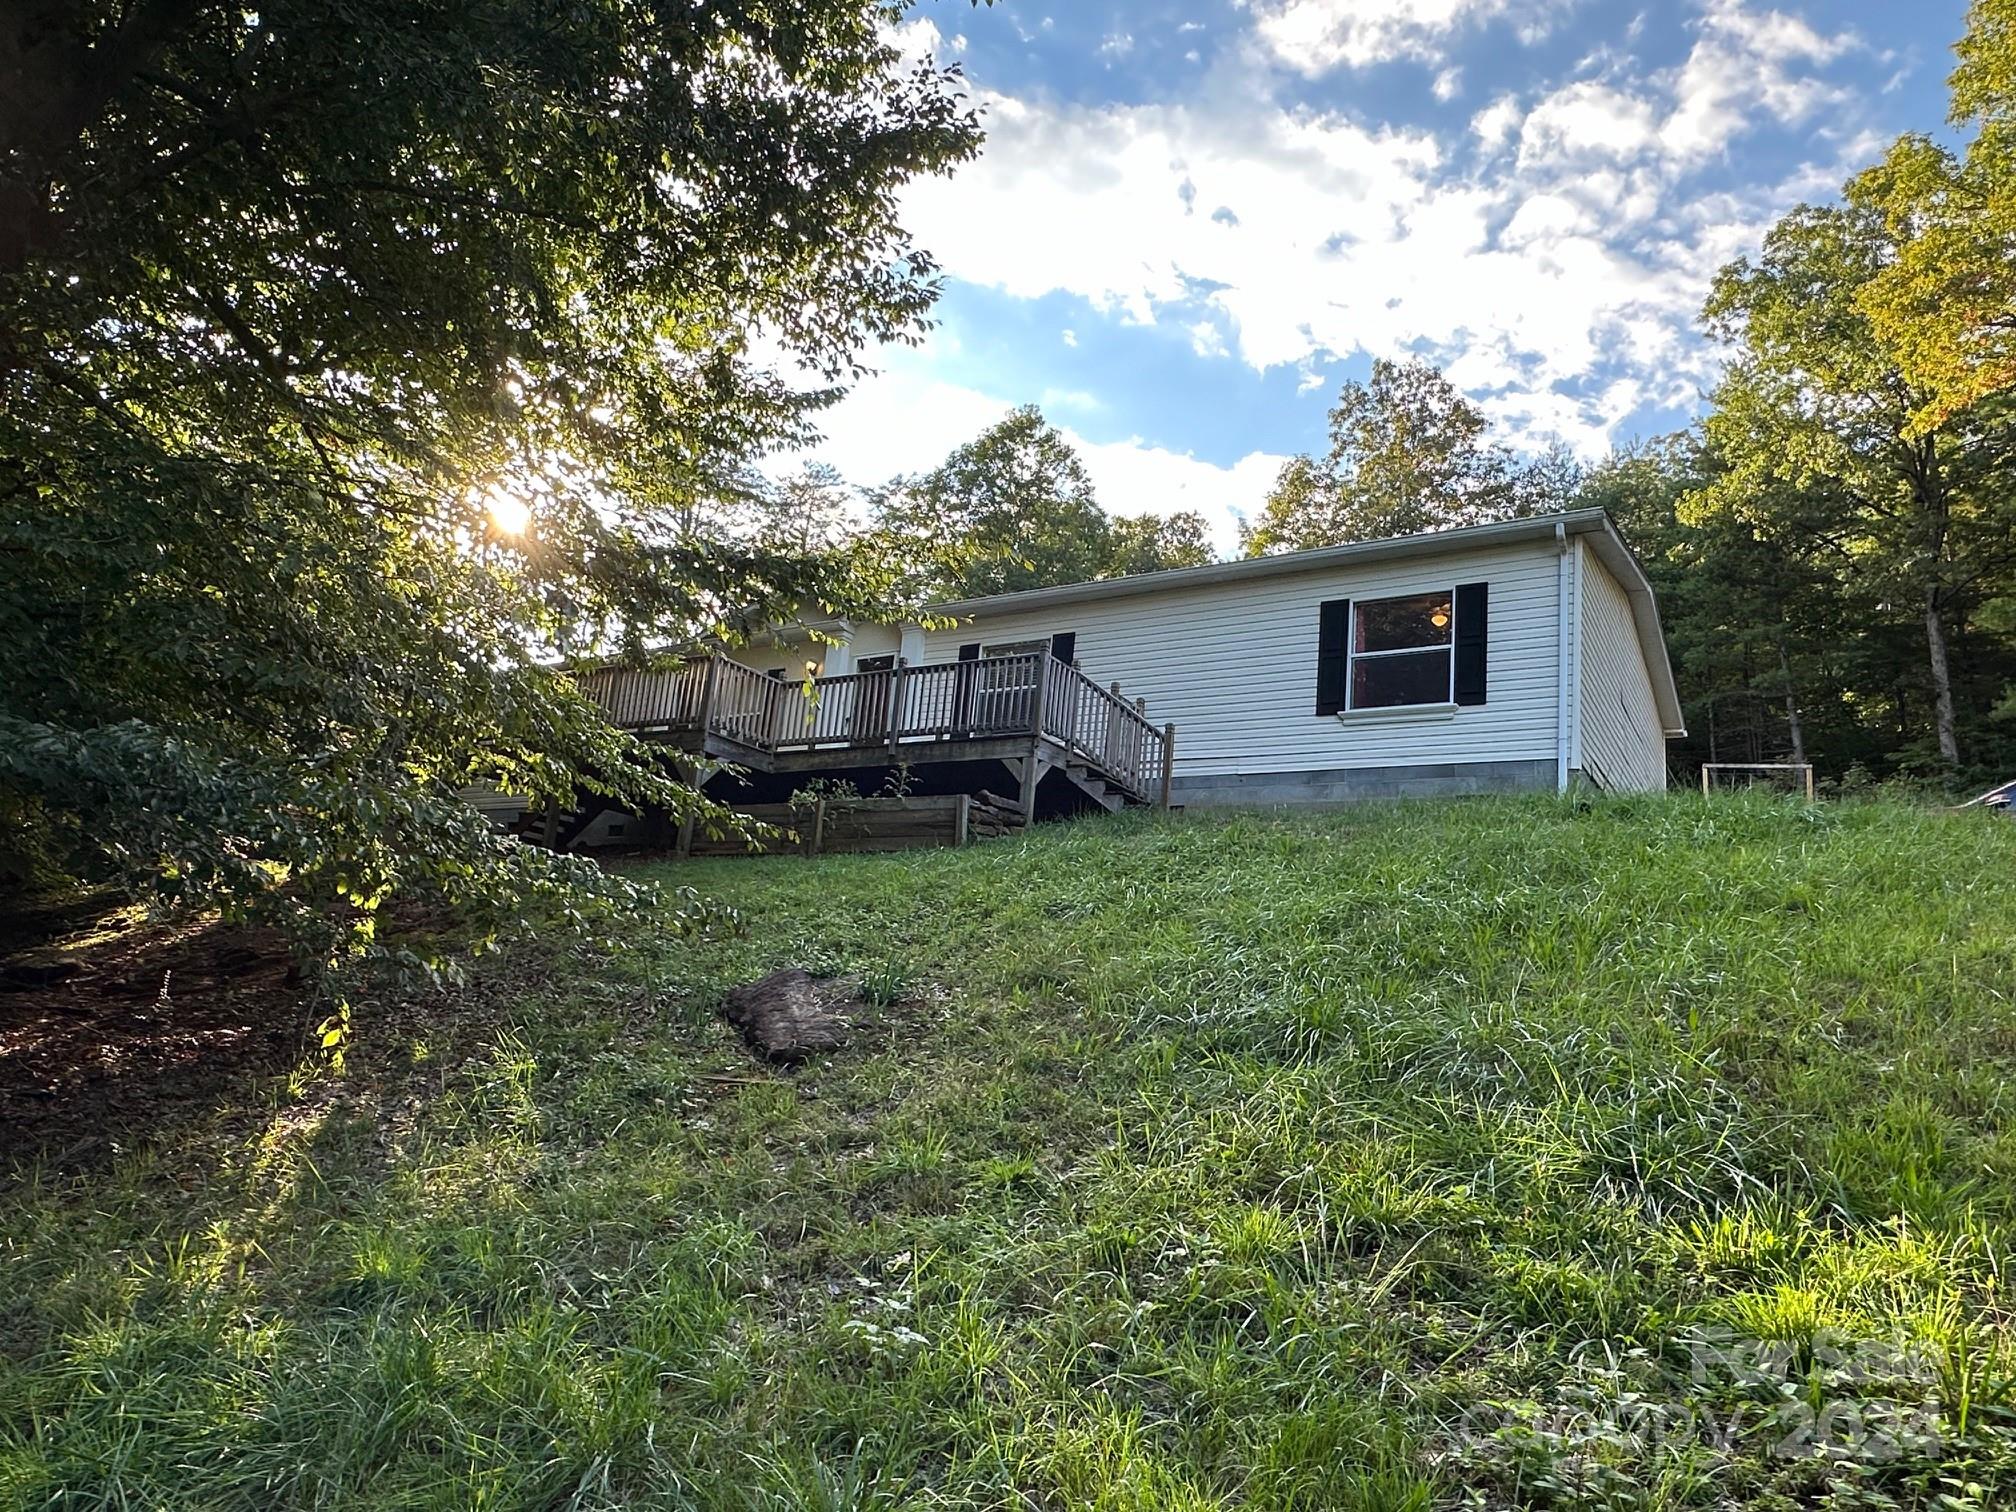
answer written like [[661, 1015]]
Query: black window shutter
[[1064, 646], [1333, 640], [1473, 632], [970, 651]]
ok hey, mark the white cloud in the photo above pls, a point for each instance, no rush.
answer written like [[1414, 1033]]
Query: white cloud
[[904, 421], [1448, 84], [1586, 121], [918, 41], [1070, 399], [1742, 64], [1746, 65], [1497, 123], [1315, 36], [1574, 263], [1206, 340], [1546, 217], [1133, 477]]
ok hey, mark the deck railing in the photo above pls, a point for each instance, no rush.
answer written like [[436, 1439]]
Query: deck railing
[[1099, 724], [639, 700], [900, 709]]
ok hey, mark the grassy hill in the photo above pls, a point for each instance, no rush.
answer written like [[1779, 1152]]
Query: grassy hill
[[1643, 1154]]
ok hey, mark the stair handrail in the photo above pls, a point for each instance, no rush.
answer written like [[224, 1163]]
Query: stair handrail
[[1120, 738]]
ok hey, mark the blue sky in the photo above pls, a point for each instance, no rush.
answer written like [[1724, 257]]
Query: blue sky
[[1193, 219]]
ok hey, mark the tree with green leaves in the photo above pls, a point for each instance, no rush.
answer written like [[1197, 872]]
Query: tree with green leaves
[[1157, 543], [1943, 304], [1775, 652], [809, 510], [1408, 453], [1011, 509], [357, 365], [1815, 402]]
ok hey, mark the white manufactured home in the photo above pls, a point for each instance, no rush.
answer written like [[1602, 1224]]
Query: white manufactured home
[[1520, 655]]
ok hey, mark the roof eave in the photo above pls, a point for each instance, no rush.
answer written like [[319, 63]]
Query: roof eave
[[1428, 543], [1623, 563]]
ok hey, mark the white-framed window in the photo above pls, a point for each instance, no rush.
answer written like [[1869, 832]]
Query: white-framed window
[[1015, 648], [1402, 651]]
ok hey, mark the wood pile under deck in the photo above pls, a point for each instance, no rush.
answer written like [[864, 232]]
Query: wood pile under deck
[[834, 826]]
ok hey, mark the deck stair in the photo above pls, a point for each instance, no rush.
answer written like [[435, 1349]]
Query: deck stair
[[1095, 787], [558, 829]]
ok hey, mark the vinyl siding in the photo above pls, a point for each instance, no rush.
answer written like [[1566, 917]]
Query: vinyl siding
[[875, 640], [1233, 665], [1623, 745], [790, 660]]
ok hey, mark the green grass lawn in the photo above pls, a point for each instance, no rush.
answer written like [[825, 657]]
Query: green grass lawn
[[1492, 1154]]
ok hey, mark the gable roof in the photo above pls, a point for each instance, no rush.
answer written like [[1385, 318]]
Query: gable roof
[[1594, 524]]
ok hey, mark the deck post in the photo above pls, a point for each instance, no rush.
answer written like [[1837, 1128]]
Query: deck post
[[682, 848], [817, 835], [1032, 770], [1168, 762], [895, 712], [707, 686], [962, 815], [1032, 774]]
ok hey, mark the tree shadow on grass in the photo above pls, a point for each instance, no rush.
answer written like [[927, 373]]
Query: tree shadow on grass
[[114, 1030]]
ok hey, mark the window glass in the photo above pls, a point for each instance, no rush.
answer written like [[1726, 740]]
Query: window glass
[[1402, 624], [1412, 677]]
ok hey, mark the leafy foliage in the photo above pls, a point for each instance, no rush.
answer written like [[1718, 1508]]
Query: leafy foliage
[[1815, 405], [1015, 508], [1944, 306], [1782, 649], [808, 511], [1408, 453], [1011, 509], [1157, 543], [356, 362]]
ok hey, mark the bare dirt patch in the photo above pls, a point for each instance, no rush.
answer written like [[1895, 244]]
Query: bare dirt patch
[[109, 1027]]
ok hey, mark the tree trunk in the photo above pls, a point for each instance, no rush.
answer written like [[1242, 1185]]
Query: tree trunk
[[1932, 500], [1942, 681], [1792, 723]]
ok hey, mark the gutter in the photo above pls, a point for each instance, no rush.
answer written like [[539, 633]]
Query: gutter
[[1426, 543]]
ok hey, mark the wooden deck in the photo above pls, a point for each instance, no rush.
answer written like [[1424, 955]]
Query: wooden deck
[[1031, 711]]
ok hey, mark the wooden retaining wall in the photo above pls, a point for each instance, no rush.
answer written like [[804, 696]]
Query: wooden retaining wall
[[832, 826]]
